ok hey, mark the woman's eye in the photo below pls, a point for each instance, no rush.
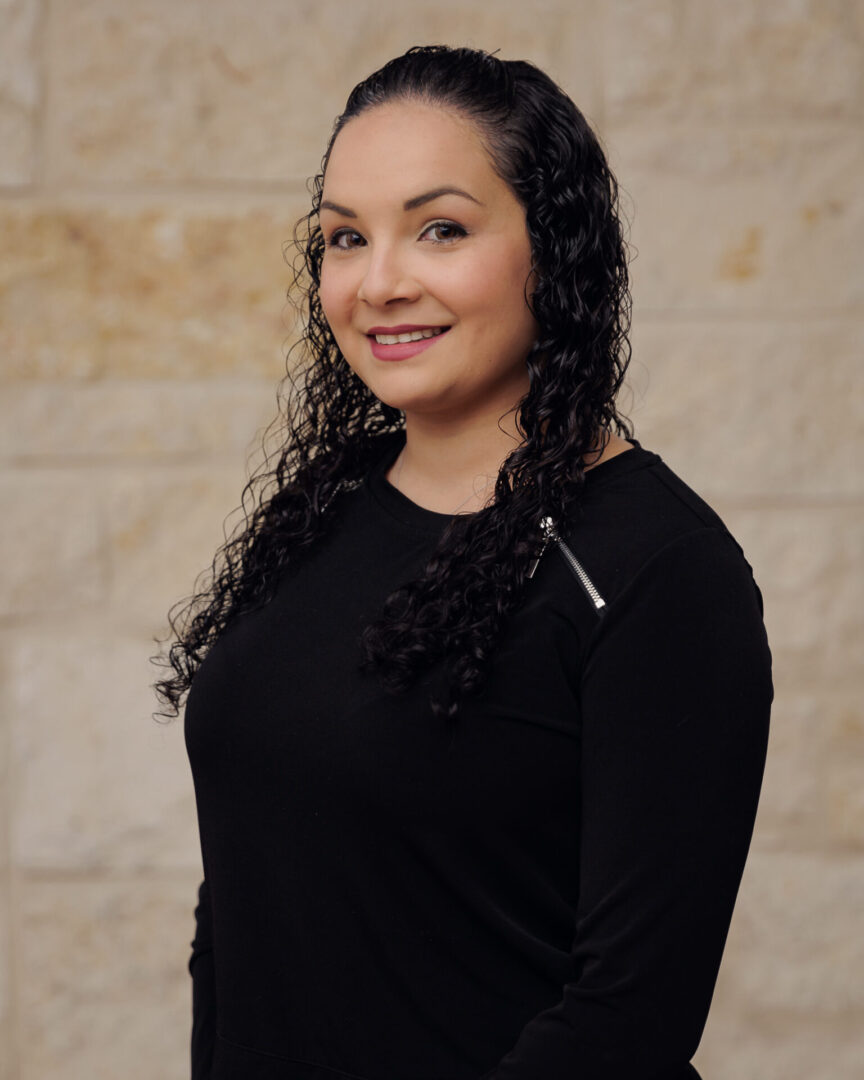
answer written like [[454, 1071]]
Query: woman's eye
[[348, 235], [439, 232], [447, 231]]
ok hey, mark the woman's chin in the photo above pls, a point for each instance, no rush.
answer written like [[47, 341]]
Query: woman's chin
[[412, 400]]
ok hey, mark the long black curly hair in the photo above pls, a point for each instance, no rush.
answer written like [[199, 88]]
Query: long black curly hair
[[543, 147]]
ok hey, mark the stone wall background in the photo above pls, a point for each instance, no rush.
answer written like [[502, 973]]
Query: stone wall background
[[153, 158]]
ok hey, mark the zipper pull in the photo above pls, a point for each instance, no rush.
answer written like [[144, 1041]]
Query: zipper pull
[[551, 535], [549, 530]]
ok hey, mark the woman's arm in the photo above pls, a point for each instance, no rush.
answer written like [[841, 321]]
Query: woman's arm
[[676, 699], [203, 989]]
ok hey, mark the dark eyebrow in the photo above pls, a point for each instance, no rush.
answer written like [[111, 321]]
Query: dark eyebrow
[[409, 204], [436, 193], [337, 209]]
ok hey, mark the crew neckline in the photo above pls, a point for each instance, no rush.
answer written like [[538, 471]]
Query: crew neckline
[[419, 517]]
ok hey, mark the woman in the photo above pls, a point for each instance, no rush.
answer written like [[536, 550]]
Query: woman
[[480, 695]]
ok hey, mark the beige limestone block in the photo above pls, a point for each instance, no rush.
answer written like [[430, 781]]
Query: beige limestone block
[[104, 990], [846, 803], [126, 102], [272, 95], [98, 782], [734, 60], [191, 289], [164, 527], [749, 409], [750, 220], [785, 1046], [200, 90], [811, 791], [52, 548], [795, 944], [19, 90], [115, 419], [807, 562]]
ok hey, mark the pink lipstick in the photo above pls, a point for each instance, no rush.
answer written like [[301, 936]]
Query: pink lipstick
[[401, 350]]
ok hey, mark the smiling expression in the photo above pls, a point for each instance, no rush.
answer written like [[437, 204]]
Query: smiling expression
[[426, 265]]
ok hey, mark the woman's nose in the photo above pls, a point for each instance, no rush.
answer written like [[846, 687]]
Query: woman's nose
[[386, 278]]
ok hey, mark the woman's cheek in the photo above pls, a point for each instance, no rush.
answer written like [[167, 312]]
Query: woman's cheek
[[331, 283]]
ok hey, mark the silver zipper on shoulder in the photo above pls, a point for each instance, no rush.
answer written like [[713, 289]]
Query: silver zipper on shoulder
[[341, 485], [552, 537]]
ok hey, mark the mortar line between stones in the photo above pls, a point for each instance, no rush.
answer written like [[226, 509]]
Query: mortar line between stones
[[85, 876], [240, 188], [764, 314]]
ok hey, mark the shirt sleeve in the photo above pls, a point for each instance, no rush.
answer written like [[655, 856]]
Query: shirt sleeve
[[676, 696], [201, 968]]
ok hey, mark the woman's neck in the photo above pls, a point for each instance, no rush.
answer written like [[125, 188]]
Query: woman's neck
[[452, 469]]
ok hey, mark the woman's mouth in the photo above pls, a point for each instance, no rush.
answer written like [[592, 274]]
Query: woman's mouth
[[413, 335], [401, 346]]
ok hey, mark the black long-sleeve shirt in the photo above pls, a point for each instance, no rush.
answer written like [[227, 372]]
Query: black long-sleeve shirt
[[544, 895]]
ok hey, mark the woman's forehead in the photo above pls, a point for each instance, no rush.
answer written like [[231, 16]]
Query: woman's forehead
[[404, 149]]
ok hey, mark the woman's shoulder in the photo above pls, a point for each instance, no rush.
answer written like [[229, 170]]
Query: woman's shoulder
[[637, 516], [643, 483]]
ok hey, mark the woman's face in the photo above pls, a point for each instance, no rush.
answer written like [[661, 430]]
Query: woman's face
[[422, 235]]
